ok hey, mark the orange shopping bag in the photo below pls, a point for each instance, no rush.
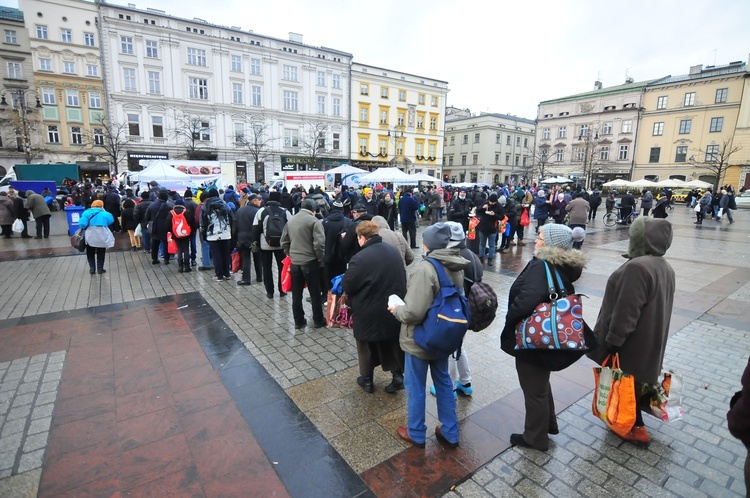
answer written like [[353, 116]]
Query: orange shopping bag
[[614, 397]]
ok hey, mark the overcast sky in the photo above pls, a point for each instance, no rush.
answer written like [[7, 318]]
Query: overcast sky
[[500, 56]]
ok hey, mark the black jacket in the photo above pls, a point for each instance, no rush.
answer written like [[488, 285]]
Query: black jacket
[[348, 246], [488, 222], [459, 211], [529, 290], [334, 225], [157, 213], [390, 213], [139, 213], [368, 287], [243, 225]]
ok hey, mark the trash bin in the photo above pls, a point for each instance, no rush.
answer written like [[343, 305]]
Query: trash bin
[[73, 214]]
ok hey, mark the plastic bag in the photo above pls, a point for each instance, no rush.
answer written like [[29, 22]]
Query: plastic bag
[[18, 226]]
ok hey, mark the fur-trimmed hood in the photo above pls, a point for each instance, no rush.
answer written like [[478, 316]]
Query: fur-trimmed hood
[[557, 256], [649, 236]]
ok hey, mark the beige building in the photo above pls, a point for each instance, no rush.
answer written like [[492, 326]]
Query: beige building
[[487, 148], [397, 119], [590, 136], [20, 119], [687, 126], [68, 78], [738, 173]]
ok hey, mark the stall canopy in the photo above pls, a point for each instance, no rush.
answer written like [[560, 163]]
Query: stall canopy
[[617, 183], [388, 175], [345, 169], [698, 184], [557, 179], [160, 171], [671, 183], [643, 183], [424, 177]]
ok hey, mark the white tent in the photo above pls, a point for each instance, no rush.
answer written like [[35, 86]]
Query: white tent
[[643, 183], [470, 184], [556, 180], [671, 183], [424, 177], [345, 169], [390, 175], [160, 171], [617, 183], [698, 184]]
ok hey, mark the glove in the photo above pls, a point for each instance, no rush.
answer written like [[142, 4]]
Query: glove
[[612, 349], [255, 248]]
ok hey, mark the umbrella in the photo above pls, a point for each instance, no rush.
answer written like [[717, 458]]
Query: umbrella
[[557, 179], [344, 169], [698, 184], [671, 183], [392, 175], [617, 183], [424, 177], [643, 183]]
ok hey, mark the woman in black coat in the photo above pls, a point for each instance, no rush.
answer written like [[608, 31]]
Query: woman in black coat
[[387, 209], [374, 273], [553, 246]]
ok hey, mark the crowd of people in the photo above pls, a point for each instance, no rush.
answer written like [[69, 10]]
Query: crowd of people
[[355, 233]]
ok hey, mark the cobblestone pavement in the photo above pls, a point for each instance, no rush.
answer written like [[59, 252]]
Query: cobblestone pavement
[[692, 457]]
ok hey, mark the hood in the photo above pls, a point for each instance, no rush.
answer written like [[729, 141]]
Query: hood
[[30, 193], [450, 258], [562, 257], [381, 223], [649, 236]]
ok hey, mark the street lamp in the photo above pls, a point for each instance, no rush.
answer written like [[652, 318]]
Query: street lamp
[[21, 109], [396, 133]]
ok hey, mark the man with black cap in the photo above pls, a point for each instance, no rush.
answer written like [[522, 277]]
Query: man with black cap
[[156, 215], [269, 252], [407, 208], [421, 289], [334, 226], [244, 219], [303, 241]]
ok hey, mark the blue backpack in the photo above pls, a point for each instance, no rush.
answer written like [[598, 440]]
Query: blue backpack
[[443, 329]]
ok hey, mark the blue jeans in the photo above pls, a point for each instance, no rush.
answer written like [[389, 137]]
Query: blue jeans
[[415, 380], [484, 238], [205, 254]]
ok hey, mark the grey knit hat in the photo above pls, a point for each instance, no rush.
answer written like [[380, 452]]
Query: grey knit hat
[[436, 236], [557, 235]]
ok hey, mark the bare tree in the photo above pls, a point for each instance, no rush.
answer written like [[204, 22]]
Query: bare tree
[[23, 122], [312, 141], [541, 156], [716, 159], [194, 134], [258, 142], [106, 141]]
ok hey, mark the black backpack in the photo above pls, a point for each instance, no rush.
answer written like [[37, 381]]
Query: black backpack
[[273, 225]]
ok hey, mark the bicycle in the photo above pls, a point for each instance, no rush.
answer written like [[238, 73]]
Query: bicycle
[[612, 218]]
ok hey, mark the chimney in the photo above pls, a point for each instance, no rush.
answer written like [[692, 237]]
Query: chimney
[[597, 85], [629, 80], [696, 69], [295, 37]]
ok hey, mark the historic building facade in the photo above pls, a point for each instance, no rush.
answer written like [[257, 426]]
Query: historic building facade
[[397, 119], [195, 90], [590, 136], [488, 148], [688, 124]]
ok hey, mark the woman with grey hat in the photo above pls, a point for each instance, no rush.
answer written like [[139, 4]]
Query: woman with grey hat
[[421, 289], [554, 246]]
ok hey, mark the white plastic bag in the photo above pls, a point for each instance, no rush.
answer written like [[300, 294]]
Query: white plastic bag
[[18, 226]]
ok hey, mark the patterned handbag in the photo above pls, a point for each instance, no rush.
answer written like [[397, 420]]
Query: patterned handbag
[[556, 325]]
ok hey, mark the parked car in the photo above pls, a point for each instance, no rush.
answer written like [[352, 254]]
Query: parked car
[[743, 200]]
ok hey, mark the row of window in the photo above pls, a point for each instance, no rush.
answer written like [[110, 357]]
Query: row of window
[[69, 67], [622, 155], [364, 117], [364, 147], [364, 89], [583, 130], [681, 151], [291, 138], [689, 99], [66, 35], [71, 98], [76, 135], [475, 160], [686, 125], [498, 139]]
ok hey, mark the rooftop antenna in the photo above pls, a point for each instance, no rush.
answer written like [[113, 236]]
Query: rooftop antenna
[[715, 51]]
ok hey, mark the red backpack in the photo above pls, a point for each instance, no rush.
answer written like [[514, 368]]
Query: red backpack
[[180, 226]]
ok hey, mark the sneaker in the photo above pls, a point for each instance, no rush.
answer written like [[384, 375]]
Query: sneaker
[[218, 279], [227, 279], [243, 282], [432, 391], [205, 268], [301, 325], [101, 270], [92, 271], [466, 390]]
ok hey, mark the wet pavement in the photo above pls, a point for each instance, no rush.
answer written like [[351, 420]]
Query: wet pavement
[[145, 382]]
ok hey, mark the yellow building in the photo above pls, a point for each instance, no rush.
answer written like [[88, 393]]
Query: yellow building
[[687, 124], [738, 173]]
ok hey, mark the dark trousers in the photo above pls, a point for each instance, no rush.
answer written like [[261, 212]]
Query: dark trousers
[[155, 243], [540, 406], [308, 273], [246, 255], [193, 247], [645, 211], [95, 255], [266, 259], [592, 212], [7, 230], [42, 223], [410, 228], [221, 252], [183, 251], [519, 232]]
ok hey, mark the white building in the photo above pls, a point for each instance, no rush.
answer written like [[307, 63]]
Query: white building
[[189, 88], [397, 120], [488, 148]]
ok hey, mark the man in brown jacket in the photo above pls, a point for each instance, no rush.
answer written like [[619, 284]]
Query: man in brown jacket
[[578, 211], [637, 308]]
